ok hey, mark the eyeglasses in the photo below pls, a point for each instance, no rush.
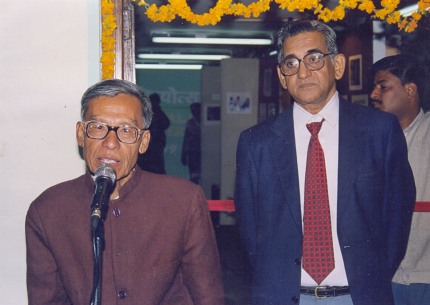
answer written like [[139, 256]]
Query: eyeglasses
[[99, 131], [313, 61]]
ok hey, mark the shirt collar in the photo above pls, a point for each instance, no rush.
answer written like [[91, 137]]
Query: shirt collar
[[330, 112], [414, 122]]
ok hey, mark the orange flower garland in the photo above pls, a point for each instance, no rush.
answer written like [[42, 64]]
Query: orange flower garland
[[108, 38], [388, 11], [166, 13]]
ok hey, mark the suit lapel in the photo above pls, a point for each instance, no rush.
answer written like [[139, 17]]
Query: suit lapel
[[350, 144], [283, 153]]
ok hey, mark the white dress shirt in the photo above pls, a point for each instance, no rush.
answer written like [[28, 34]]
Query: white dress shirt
[[329, 139]]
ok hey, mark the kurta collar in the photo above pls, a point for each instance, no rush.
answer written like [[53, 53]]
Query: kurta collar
[[124, 190]]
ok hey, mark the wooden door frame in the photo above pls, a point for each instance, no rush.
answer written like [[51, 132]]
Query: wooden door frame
[[125, 41]]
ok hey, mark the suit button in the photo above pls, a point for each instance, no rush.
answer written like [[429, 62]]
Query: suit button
[[298, 261], [295, 300], [122, 294]]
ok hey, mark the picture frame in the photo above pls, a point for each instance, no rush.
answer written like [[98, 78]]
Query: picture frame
[[355, 72], [238, 103], [362, 99], [212, 115]]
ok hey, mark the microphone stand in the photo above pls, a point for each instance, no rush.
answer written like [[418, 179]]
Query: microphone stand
[[98, 247], [104, 179]]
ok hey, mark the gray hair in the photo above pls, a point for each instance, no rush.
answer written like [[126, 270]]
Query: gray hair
[[113, 87], [295, 27]]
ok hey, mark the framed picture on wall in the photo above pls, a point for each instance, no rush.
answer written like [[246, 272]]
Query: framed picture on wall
[[355, 72], [238, 102], [361, 99], [212, 115]]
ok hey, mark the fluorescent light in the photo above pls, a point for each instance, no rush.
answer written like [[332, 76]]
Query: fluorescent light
[[183, 56], [203, 40], [408, 10], [167, 67]]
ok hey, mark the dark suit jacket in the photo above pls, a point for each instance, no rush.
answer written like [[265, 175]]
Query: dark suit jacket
[[160, 245], [376, 193]]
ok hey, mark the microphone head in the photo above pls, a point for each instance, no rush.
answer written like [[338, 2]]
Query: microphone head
[[105, 171]]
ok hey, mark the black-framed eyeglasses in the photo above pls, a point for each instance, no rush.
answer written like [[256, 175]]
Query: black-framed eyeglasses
[[99, 131], [313, 62]]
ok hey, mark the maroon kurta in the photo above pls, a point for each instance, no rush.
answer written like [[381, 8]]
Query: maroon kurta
[[160, 245]]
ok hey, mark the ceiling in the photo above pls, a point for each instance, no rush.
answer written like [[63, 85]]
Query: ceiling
[[263, 27]]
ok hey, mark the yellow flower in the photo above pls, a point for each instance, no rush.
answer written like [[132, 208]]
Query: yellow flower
[[108, 41], [416, 16], [338, 13], [141, 3], [411, 26], [423, 5], [393, 18], [402, 24], [367, 6], [168, 12], [349, 3]]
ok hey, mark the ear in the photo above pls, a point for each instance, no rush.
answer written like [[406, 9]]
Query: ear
[[144, 143], [411, 90], [80, 134], [282, 78], [339, 66]]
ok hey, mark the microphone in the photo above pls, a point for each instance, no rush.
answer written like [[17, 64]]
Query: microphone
[[105, 178]]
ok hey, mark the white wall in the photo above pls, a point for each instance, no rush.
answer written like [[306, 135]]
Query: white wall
[[49, 56], [237, 75], [211, 131]]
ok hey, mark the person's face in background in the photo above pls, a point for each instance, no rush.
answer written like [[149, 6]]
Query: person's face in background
[[120, 110], [389, 94], [311, 89]]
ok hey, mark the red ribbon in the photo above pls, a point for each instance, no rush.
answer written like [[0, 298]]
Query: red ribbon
[[422, 206], [221, 205], [228, 206]]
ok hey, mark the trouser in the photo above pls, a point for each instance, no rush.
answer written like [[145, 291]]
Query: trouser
[[340, 300], [413, 294]]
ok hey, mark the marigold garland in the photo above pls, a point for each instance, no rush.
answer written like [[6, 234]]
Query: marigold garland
[[166, 13], [108, 38], [388, 11]]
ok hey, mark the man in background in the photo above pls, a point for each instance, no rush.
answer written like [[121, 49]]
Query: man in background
[[159, 245], [153, 160], [191, 146], [398, 87], [324, 191]]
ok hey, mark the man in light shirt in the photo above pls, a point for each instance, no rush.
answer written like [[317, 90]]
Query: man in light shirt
[[369, 185], [398, 88]]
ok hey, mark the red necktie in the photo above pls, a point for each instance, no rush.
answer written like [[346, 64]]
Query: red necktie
[[318, 257]]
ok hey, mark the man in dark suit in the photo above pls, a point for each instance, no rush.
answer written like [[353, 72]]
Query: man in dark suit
[[368, 186], [159, 245]]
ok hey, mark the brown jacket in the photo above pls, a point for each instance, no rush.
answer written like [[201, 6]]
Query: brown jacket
[[160, 246]]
